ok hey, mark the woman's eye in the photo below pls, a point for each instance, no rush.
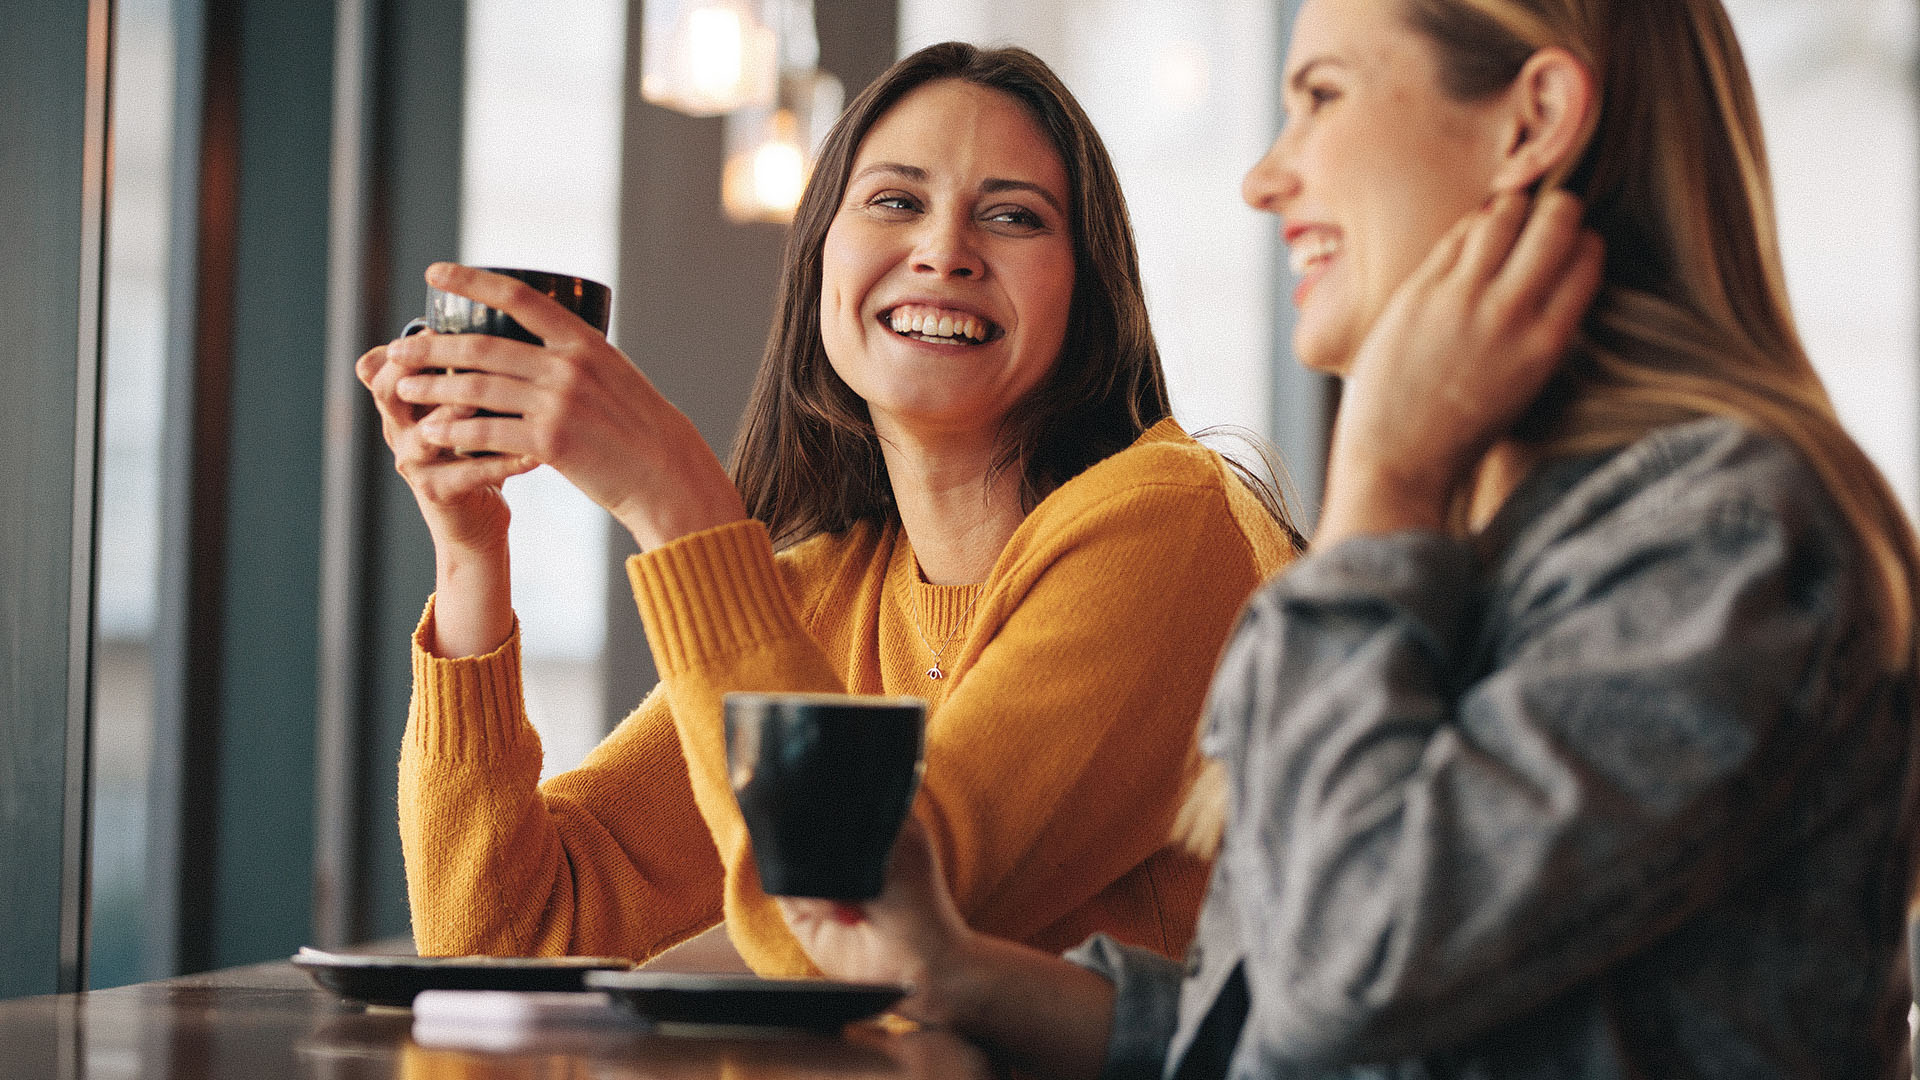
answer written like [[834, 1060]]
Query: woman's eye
[[1018, 217], [1320, 95], [893, 200]]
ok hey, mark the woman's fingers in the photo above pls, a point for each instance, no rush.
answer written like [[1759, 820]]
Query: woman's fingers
[[451, 428], [1566, 305], [446, 479], [1444, 259], [428, 351], [368, 366], [542, 315], [1538, 255], [464, 390], [1491, 234]]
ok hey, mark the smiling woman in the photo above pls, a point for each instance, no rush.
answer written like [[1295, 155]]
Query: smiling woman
[[958, 442]]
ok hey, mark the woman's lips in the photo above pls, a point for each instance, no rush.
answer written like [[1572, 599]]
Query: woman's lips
[[945, 326], [1309, 253]]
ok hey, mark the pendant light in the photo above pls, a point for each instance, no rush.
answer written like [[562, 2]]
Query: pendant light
[[706, 57]]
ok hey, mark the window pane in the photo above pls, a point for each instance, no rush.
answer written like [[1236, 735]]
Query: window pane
[[541, 180], [136, 326], [1836, 89]]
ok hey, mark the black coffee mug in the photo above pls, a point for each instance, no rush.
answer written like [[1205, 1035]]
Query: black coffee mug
[[450, 313], [824, 782]]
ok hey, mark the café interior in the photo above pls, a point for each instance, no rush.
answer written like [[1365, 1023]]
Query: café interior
[[210, 566]]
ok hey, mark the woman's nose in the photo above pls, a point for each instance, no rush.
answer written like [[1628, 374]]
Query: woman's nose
[[946, 247], [1272, 182]]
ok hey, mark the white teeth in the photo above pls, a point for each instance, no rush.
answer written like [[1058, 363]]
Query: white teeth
[[934, 323], [1310, 249]]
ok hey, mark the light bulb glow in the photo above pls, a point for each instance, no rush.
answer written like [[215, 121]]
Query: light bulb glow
[[779, 175], [767, 167], [716, 51], [706, 57]]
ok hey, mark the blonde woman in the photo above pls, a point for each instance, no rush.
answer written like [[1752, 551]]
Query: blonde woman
[[1582, 744]]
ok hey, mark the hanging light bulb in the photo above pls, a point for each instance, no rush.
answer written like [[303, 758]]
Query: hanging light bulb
[[771, 150], [766, 166], [705, 57]]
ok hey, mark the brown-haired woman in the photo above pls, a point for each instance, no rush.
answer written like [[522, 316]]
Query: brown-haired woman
[[960, 444], [1582, 746]]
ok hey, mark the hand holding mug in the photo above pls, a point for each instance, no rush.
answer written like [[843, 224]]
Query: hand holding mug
[[451, 313], [571, 401], [911, 934]]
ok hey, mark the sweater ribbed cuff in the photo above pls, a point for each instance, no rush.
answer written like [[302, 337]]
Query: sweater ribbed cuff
[[711, 595], [468, 707]]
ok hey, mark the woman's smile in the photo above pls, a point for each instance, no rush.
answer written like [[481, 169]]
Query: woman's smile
[[940, 325], [1310, 251]]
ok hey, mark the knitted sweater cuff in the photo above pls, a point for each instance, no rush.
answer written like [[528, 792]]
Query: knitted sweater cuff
[[711, 595], [469, 707]]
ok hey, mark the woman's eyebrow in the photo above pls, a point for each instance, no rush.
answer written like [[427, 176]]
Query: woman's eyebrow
[[895, 168], [996, 186], [1298, 80]]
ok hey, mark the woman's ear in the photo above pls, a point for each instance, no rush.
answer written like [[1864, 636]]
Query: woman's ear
[[1553, 102]]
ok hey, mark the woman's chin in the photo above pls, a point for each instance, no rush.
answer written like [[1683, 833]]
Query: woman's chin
[[1322, 357]]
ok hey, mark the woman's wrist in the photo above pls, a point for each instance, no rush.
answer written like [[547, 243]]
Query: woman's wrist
[[473, 599], [954, 984], [1374, 501], [1033, 1010], [656, 523]]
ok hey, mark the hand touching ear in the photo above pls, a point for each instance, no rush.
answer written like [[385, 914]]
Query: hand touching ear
[[1464, 346]]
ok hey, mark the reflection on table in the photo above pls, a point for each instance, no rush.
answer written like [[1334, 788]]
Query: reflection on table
[[269, 1023]]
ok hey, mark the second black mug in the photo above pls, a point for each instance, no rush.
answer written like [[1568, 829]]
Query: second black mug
[[824, 782]]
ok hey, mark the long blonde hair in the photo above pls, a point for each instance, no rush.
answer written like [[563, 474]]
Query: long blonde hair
[[1692, 318]]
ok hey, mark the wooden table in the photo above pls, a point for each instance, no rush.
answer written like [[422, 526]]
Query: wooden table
[[268, 1022]]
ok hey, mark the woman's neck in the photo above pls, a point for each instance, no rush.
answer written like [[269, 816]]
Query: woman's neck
[[956, 521], [1506, 464]]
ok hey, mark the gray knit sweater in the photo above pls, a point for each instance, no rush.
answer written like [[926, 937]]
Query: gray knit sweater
[[1617, 791]]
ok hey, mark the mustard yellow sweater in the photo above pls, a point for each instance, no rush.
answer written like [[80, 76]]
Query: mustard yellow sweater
[[1057, 748]]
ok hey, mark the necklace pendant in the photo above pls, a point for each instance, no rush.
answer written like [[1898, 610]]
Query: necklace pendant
[[935, 673]]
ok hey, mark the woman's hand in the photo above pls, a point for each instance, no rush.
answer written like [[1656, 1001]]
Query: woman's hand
[[1461, 350], [461, 500], [459, 496], [911, 935], [1033, 1010], [575, 403]]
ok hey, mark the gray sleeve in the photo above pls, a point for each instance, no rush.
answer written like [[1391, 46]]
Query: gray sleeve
[[1146, 996], [1469, 801]]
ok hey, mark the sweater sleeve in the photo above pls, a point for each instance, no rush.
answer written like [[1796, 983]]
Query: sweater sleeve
[[1436, 839], [1056, 762], [609, 859], [1146, 994]]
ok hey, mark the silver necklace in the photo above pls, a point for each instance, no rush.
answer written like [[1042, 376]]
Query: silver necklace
[[915, 615]]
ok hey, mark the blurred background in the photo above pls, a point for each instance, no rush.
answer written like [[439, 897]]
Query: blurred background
[[542, 154]]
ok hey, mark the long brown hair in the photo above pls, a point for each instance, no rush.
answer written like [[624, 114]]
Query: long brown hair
[[807, 460], [1692, 318]]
